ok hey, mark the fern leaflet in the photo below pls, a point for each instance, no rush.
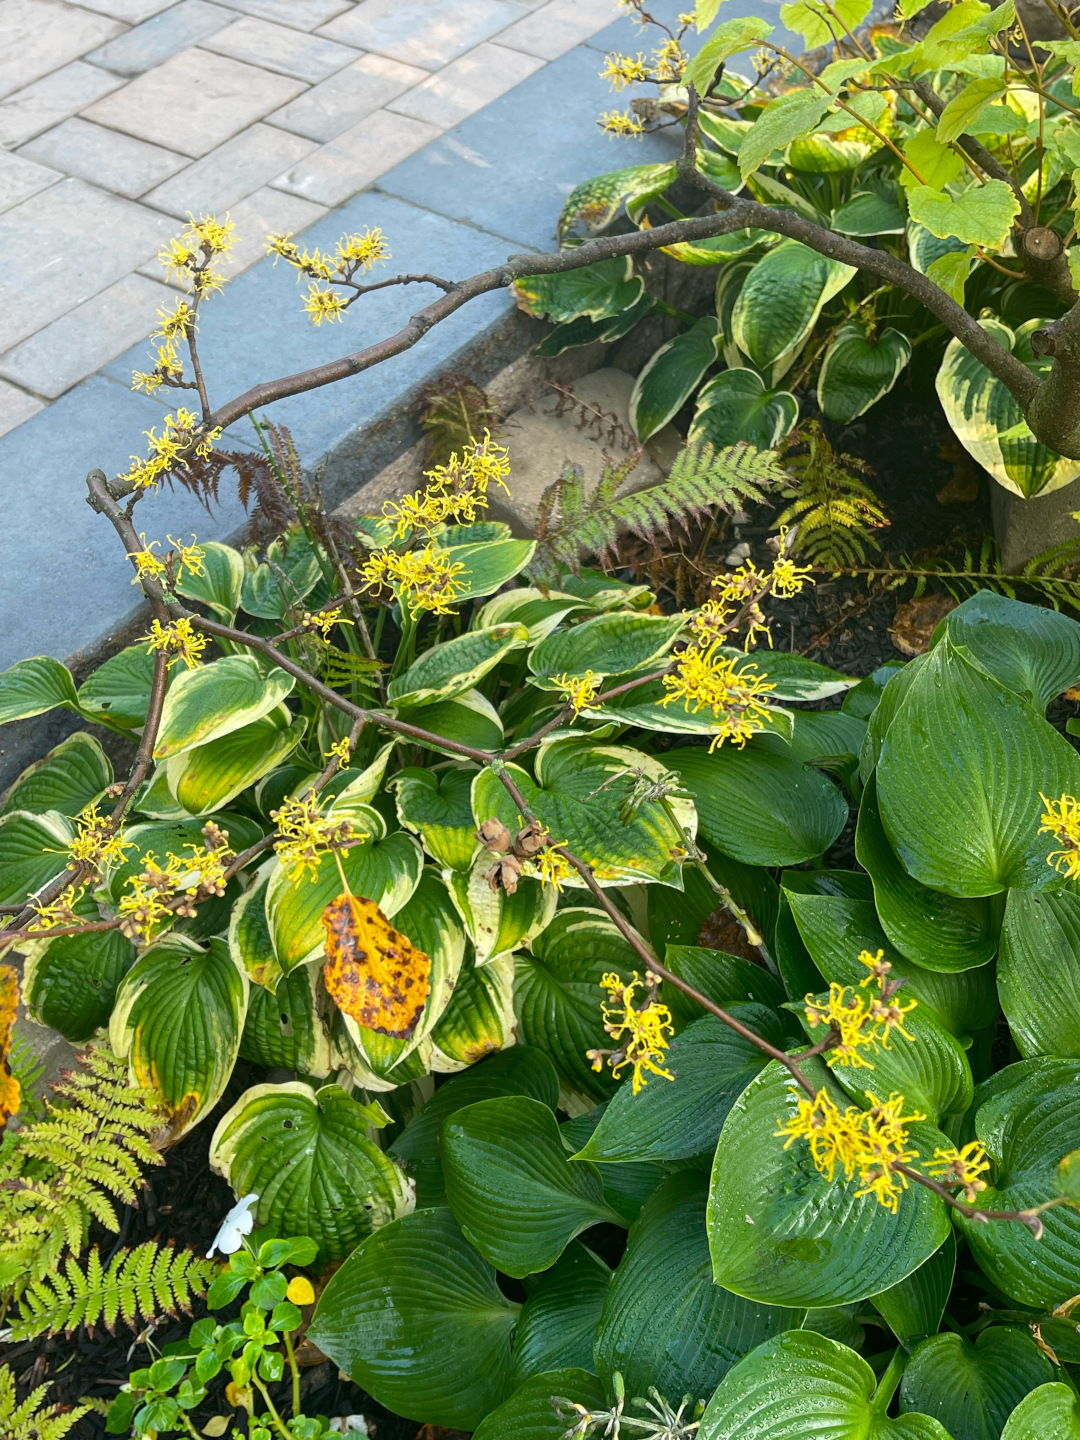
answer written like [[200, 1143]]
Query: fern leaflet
[[571, 522], [833, 511], [149, 1280], [29, 1421]]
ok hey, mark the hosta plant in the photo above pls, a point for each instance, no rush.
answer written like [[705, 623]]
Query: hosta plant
[[874, 204]]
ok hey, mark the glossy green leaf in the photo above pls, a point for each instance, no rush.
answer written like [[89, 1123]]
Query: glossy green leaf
[[793, 677], [480, 1016], [178, 1019], [526, 605], [220, 585], [857, 371], [1030, 649], [557, 1325], [271, 590], [437, 806], [30, 687], [671, 376], [785, 292], [836, 930], [494, 920], [626, 1185], [972, 1389], [913, 1308], [70, 983], [1039, 972], [415, 1317], [665, 1323], [207, 777], [1052, 1412], [762, 809], [386, 871], [456, 665], [72, 775], [598, 291], [120, 689], [618, 643], [982, 215], [783, 1234], [674, 1119], [468, 719], [284, 1028], [520, 1070], [33, 848], [307, 1156], [868, 213], [783, 120], [213, 700], [961, 744], [577, 796], [557, 993], [938, 164], [736, 405], [517, 1196], [529, 1413], [724, 979], [1029, 1120], [773, 1393], [937, 931]]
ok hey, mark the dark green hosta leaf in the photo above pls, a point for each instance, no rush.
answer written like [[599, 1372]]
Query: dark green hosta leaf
[[120, 689], [1052, 1412], [939, 932], [178, 1019], [762, 809], [437, 806], [557, 994], [213, 700], [596, 290], [665, 1323], [557, 1324], [284, 1028], [819, 737], [771, 1394], [836, 930], [455, 666], [618, 643], [856, 371], [529, 1413], [1039, 972], [577, 795], [1032, 650], [70, 983], [719, 977], [521, 1070], [415, 1317], [781, 1233], [972, 1389], [71, 776], [913, 1308], [736, 405], [1028, 1123], [671, 376], [307, 1155], [30, 687], [33, 848], [672, 1120], [517, 1197], [627, 1185], [964, 745]]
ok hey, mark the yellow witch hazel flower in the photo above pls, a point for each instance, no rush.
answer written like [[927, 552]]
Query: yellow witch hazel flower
[[621, 122], [96, 843], [642, 1034], [455, 491], [867, 1144], [188, 257], [148, 566], [305, 836], [579, 690], [324, 304], [622, 70], [61, 912], [1061, 818], [180, 437], [964, 1167], [848, 1014], [353, 255], [703, 679], [179, 639], [423, 579]]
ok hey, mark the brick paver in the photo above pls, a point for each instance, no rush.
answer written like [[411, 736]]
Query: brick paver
[[117, 117]]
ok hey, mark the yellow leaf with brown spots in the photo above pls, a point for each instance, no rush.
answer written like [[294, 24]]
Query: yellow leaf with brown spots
[[372, 971], [9, 1004]]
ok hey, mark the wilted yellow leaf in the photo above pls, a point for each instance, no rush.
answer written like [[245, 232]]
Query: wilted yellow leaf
[[372, 971], [9, 1003]]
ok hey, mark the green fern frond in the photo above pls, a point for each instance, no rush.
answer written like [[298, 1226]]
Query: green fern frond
[[455, 412], [74, 1165], [571, 523], [138, 1284], [29, 1421], [833, 512], [339, 668]]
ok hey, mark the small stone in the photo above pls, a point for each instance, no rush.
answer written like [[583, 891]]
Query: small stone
[[916, 620], [962, 487], [738, 555]]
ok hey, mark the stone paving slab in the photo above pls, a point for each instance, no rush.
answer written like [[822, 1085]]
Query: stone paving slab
[[162, 37], [32, 110], [104, 157], [21, 178], [366, 85], [281, 48], [40, 36], [422, 32], [231, 172]]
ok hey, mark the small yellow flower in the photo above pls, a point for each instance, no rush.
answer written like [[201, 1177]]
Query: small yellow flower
[[578, 690], [869, 1144], [61, 912], [362, 250], [878, 966], [179, 639], [455, 491], [341, 750], [323, 620], [97, 843], [324, 304], [551, 867], [305, 835], [703, 679], [147, 564], [423, 579], [622, 70], [188, 557], [641, 1034], [1061, 818], [621, 122], [669, 61], [962, 1167], [300, 1291], [142, 908], [848, 1013], [174, 324]]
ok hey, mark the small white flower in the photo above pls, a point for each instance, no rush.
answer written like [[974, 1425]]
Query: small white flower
[[237, 1223], [350, 1425]]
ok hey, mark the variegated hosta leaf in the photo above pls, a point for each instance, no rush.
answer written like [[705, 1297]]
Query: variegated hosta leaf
[[456, 665], [249, 933], [619, 642], [347, 1057], [581, 789], [497, 922], [430, 923], [384, 870], [69, 777], [33, 848], [178, 1020], [285, 1028], [479, 1019], [595, 202], [213, 700], [70, 983], [307, 1156], [436, 804], [364, 785], [205, 778]]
